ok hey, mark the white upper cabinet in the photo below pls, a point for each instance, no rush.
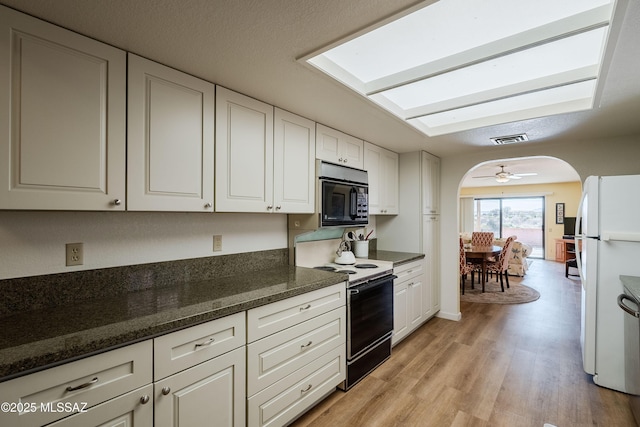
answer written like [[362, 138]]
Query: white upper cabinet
[[62, 115], [337, 147], [382, 167], [170, 139], [430, 184], [265, 157], [294, 153], [244, 153]]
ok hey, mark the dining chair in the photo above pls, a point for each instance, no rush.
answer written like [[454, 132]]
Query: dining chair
[[482, 238], [501, 265], [465, 267]]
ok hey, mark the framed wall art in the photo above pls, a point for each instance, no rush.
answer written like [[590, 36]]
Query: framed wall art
[[559, 213]]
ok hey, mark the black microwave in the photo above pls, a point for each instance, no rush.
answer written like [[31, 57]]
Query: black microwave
[[343, 195]]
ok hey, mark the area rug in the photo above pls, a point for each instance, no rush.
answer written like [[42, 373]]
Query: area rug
[[516, 294]]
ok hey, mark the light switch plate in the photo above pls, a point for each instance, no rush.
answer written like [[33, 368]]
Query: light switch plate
[[217, 243]]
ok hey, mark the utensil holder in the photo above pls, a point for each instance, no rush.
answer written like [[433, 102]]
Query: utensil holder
[[361, 248]]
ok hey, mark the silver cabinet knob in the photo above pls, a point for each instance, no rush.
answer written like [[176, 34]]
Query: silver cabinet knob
[[117, 202], [278, 208], [208, 205], [269, 207], [144, 399], [166, 390]]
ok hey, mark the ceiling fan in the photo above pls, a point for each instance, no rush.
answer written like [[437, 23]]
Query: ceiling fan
[[505, 176]]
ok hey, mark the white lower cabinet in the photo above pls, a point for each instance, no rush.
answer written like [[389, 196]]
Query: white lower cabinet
[[200, 374], [211, 393], [134, 409], [411, 299], [431, 249], [293, 395], [78, 386], [296, 354]]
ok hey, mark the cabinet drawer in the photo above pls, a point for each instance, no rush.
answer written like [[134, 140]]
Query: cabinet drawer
[[288, 398], [409, 270], [92, 380], [126, 410], [274, 317], [182, 349], [278, 355]]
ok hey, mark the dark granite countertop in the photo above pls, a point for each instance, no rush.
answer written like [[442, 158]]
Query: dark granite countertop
[[397, 258], [41, 338]]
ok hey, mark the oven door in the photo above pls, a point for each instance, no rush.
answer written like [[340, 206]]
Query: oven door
[[343, 203], [369, 314]]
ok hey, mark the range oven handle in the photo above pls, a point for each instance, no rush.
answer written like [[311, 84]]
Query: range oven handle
[[371, 284]]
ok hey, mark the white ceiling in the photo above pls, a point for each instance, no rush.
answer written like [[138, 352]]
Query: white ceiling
[[252, 46]]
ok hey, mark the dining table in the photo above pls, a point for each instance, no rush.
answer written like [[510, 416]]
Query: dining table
[[480, 255]]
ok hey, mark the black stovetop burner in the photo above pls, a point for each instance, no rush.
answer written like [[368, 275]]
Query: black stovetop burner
[[365, 266], [334, 269]]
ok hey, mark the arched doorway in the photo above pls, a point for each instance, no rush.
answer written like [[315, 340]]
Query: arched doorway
[[523, 197]]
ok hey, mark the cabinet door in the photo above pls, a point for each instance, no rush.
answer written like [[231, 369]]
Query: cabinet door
[[211, 393], [390, 182], [62, 115], [170, 133], [134, 409], [430, 184], [400, 312], [373, 164], [431, 244], [337, 147], [382, 166], [294, 165], [353, 152], [244, 153], [417, 302]]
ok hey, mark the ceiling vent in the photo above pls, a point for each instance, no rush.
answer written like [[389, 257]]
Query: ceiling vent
[[511, 139]]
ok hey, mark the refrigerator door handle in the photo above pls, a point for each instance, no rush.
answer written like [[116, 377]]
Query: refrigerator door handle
[[579, 238], [620, 237], [622, 305]]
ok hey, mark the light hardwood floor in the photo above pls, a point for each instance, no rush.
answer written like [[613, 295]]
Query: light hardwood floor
[[501, 365]]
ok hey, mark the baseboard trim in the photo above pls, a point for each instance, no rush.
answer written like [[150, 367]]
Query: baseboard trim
[[449, 316]]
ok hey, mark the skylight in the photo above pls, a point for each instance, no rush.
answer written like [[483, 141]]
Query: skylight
[[462, 64]]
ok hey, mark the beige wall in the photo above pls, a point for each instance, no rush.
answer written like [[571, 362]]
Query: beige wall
[[567, 193], [33, 242]]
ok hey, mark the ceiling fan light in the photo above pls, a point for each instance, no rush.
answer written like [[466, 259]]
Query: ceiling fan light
[[502, 179]]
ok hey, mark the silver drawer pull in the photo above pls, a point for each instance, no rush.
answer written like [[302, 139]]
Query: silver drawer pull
[[306, 345], [306, 389], [85, 385], [307, 307], [207, 342]]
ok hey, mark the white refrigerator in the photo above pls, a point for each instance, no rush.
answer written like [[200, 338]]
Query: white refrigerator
[[609, 217]]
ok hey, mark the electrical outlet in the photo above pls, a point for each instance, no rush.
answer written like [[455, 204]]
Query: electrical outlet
[[217, 242], [74, 254]]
